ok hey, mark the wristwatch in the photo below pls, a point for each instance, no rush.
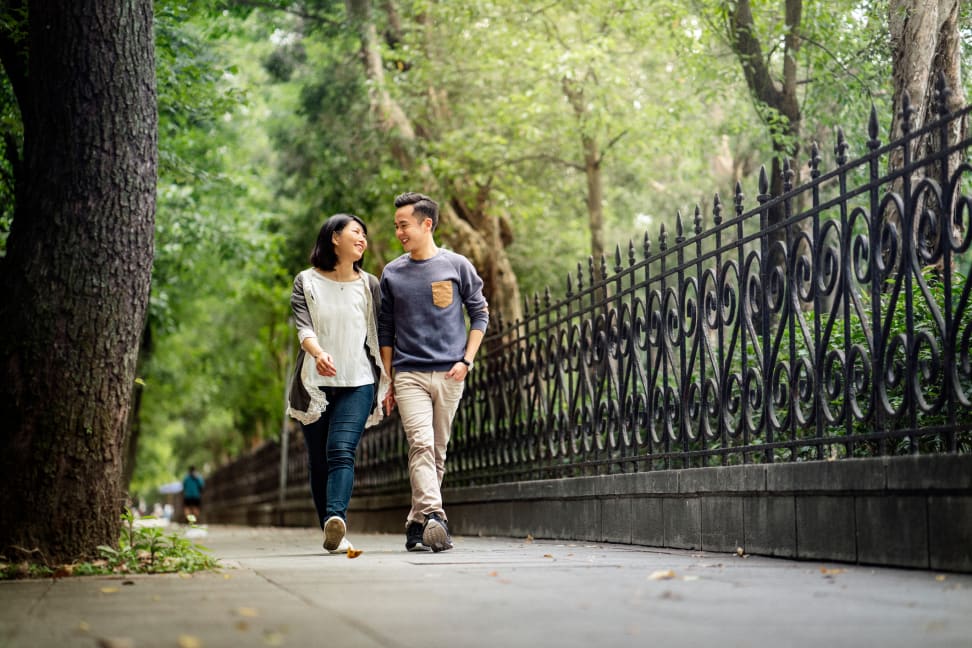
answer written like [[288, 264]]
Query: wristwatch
[[468, 363]]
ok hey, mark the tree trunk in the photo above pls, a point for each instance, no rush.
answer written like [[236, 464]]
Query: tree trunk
[[75, 280], [592, 171], [467, 228], [926, 46], [780, 98]]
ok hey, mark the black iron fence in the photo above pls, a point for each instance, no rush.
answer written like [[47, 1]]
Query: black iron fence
[[831, 321]]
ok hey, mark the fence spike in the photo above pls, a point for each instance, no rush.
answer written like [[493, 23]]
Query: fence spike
[[738, 198], [788, 175], [873, 130], [814, 160], [906, 112], [679, 230], [646, 246], [717, 209], [663, 238], [603, 266], [570, 285], [617, 258], [942, 93], [763, 185], [546, 298], [590, 269], [840, 148], [580, 277], [536, 302], [698, 219]]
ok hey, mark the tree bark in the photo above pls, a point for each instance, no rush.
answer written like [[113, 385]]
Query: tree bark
[[925, 42], [75, 279]]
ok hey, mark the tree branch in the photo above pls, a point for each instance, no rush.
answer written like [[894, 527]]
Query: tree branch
[[750, 53], [13, 50]]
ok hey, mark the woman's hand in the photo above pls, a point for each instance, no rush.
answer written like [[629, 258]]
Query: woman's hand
[[325, 364], [389, 400]]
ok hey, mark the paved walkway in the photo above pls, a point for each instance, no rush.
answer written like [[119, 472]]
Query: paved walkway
[[278, 589]]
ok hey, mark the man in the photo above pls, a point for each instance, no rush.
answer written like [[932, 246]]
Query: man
[[426, 350], [192, 487]]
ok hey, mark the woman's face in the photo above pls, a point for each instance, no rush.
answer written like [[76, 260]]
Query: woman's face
[[350, 243]]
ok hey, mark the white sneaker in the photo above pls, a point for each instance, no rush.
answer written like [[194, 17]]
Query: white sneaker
[[342, 548], [334, 530]]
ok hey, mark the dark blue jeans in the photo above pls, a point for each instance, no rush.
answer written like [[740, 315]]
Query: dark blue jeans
[[331, 442]]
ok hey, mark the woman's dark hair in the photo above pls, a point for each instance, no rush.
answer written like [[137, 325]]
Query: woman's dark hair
[[323, 256]]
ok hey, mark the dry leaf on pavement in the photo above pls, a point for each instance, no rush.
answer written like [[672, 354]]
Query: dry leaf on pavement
[[354, 553], [189, 641], [665, 574]]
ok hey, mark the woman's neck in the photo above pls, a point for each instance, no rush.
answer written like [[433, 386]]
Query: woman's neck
[[341, 272]]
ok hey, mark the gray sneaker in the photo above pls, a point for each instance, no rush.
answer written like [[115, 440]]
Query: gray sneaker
[[435, 535]]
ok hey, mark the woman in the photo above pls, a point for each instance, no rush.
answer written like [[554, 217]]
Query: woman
[[339, 381]]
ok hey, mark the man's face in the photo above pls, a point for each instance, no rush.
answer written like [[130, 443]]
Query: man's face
[[412, 230]]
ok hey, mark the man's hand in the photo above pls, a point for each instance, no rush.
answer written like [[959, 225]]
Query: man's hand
[[459, 371]]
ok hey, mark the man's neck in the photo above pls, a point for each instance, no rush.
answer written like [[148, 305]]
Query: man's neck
[[426, 252]]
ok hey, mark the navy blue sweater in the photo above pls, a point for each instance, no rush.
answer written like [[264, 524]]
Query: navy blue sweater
[[421, 314]]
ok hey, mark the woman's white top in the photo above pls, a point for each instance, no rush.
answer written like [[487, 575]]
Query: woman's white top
[[341, 313]]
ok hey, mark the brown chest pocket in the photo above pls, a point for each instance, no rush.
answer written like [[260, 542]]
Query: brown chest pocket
[[442, 293]]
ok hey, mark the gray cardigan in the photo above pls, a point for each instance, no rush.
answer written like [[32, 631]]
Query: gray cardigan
[[306, 405]]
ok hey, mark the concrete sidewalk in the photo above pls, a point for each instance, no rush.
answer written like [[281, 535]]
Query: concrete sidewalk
[[279, 589]]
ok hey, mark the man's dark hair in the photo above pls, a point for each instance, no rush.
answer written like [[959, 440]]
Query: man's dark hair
[[421, 204], [323, 256]]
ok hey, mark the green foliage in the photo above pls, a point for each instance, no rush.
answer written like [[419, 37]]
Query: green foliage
[[141, 550]]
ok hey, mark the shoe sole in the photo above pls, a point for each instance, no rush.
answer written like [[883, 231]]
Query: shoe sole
[[334, 530], [436, 537], [418, 546]]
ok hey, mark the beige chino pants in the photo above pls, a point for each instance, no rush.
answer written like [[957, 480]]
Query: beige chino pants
[[427, 403]]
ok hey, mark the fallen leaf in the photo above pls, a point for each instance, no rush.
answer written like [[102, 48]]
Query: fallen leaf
[[529, 538], [354, 553], [248, 612], [189, 641], [494, 573], [831, 572], [242, 626], [548, 555], [109, 590], [84, 626], [62, 571], [940, 577], [740, 551], [665, 574]]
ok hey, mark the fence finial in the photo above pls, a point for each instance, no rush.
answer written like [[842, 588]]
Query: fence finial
[[631, 252], [873, 129], [814, 160], [942, 92], [840, 148], [788, 175], [738, 199], [679, 230], [717, 209], [698, 219], [906, 112], [663, 239], [646, 246], [763, 185], [617, 258]]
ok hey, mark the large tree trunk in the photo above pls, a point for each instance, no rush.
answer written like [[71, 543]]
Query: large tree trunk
[[592, 170], [75, 280], [926, 46], [467, 227]]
